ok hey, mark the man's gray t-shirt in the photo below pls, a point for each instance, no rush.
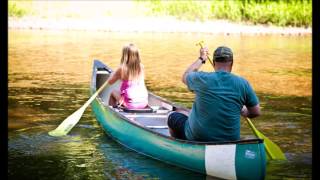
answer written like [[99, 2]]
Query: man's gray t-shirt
[[215, 114]]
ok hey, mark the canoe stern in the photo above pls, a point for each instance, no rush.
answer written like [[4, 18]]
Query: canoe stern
[[250, 158], [236, 161]]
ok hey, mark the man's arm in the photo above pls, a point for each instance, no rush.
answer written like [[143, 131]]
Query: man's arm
[[195, 66], [251, 112]]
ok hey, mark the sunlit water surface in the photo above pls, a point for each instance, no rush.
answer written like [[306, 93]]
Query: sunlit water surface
[[49, 76]]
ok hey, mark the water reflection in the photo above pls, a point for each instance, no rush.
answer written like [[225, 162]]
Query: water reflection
[[49, 75], [85, 154]]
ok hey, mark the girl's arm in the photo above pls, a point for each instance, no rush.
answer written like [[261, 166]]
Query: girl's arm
[[114, 76]]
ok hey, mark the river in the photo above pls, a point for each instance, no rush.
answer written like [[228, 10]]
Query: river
[[49, 74]]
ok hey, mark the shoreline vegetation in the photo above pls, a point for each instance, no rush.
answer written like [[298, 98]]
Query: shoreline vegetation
[[256, 17]]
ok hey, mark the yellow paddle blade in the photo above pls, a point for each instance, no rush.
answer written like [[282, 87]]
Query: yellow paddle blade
[[273, 151], [200, 43], [74, 118], [68, 123]]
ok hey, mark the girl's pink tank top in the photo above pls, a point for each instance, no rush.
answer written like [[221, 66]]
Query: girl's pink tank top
[[134, 94]]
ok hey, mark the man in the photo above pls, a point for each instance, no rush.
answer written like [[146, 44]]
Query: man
[[221, 97]]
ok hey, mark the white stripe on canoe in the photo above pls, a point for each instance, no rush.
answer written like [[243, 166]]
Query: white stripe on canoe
[[103, 72], [147, 116], [220, 161]]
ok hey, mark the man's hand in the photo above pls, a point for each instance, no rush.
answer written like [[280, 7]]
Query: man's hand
[[197, 64], [244, 111], [251, 112], [204, 52]]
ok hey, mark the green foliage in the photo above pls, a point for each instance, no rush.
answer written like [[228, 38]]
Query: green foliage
[[183, 9], [281, 13], [276, 12], [15, 11]]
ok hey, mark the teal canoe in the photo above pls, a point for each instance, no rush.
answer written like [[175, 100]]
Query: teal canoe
[[146, 132]]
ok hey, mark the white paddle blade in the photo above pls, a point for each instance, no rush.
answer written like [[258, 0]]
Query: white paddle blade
[[68, 123]]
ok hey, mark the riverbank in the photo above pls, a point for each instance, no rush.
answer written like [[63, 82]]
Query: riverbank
[[152, 24]]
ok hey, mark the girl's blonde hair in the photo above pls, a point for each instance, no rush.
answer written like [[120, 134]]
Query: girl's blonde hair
[[130, 63]]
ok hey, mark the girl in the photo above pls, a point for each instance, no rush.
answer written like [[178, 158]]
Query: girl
[[133, 92]]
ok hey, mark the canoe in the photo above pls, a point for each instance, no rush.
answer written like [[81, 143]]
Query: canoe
[[146, 132]]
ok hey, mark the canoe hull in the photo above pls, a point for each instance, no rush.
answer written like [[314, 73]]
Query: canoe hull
[[230, 160]]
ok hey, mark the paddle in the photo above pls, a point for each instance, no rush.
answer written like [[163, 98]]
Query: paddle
[[73, 119], [200, 43], [273, 151]]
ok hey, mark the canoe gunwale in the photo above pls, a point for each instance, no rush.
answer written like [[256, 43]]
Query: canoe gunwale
[[121, 116], [98, 65]]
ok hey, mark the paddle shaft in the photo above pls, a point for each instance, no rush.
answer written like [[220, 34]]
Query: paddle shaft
[[96, 94]]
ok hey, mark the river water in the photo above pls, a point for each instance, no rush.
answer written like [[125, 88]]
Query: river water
[[49, 77]]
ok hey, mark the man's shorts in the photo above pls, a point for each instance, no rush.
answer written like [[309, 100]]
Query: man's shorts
[[176, 122]]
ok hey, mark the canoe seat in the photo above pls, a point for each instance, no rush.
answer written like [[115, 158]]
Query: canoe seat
[[147, 109]]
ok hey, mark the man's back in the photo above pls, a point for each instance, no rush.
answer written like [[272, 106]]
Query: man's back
[[215, 114], [221, 97]]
